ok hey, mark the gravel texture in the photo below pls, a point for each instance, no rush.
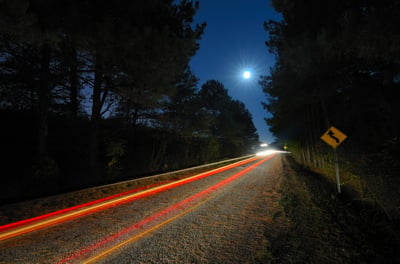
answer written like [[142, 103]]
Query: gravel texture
[[229, 225]]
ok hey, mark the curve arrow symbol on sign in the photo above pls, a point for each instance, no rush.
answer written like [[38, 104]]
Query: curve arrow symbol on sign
[[332, 135]]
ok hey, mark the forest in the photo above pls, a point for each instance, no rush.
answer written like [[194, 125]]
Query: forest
[[338, 64], [93, 92]]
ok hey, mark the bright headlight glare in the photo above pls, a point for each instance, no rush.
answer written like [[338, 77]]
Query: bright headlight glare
[[265, 152], [270, 152]]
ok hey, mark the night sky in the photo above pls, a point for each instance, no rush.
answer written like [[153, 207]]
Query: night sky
[[233, 42]]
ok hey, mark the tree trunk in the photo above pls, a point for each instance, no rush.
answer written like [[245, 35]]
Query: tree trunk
[[73, 75], [43, 103], [158, 154], [96, 108]]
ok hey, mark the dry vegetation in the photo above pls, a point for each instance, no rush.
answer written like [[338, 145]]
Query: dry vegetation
[[322, 227]]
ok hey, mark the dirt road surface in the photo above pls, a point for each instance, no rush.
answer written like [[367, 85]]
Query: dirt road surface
[[200, 222]]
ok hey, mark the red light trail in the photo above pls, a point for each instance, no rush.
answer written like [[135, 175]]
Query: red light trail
[[183, 206], [39, 222]]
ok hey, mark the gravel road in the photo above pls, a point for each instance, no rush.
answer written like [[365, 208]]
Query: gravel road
[[226, 226]]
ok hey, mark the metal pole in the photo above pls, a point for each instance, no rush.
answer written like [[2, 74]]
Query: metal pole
[[337, 170]]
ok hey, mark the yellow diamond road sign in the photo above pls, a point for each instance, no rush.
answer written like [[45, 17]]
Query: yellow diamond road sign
[[333, 137]]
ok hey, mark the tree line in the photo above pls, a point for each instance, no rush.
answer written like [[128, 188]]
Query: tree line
[[337, 63], [93, 91]]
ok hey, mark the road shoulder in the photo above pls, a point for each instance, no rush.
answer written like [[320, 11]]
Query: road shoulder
[[317, 226]]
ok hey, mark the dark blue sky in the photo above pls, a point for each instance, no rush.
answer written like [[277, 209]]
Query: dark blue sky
[[233, 41]]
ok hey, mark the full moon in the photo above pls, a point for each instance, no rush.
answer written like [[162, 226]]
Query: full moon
[[246, 75]]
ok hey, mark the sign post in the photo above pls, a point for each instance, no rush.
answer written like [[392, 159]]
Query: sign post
[[334, 137], [335, 157]]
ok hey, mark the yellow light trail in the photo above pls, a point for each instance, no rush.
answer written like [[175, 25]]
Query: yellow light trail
[[207, 191], [138, 236], [59, 218]]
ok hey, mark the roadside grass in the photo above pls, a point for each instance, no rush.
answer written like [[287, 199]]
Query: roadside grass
[[369, 180], [328, 228], [264, 255]]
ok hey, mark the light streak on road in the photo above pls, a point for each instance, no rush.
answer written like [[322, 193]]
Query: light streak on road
[[31, 220], [36, 223], [184, 206]]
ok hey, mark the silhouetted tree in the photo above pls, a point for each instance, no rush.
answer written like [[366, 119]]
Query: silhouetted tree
[[337, 64], [228, 121], [131, 52], [31, 32]]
